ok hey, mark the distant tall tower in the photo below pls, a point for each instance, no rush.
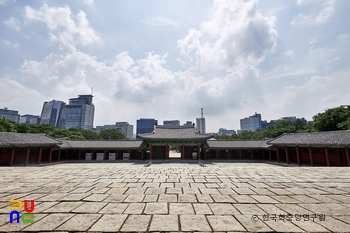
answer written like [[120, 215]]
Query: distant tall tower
[[51, 113], [201, 123], [79, 113]]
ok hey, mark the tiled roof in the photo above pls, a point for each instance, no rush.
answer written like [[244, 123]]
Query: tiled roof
[[101, 144], [174, 133], [26, 139], [237, 144], [330, 138]]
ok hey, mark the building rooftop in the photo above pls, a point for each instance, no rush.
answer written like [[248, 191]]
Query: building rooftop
[[175, 133], [329, 138], [102, 144], [25, 139], [237, 144]]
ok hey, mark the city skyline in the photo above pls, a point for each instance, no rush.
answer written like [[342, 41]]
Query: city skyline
[[146, 60]]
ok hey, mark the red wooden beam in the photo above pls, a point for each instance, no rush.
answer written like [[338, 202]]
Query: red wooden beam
[[278, 154], [182, 151], [198, 152], [50, 154], [40, 153], [347, 153], [327, 156], [311, 156], [59, 155], [27, 155], [287, 153], [13, 151], [298, 155]]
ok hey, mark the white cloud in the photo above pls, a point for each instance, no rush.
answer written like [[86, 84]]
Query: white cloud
[[236, 35], [14, 95], [159, 21], [320, 52], [3, 2], [68, 29], [289, 53], [89, 2], [322, 16], [12, 23], [316, 94], [9, 43], [343, 36]]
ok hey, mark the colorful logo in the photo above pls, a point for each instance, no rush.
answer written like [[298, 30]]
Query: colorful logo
[[28, 217]]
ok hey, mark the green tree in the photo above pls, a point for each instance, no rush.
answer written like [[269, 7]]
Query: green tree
[[332, 119], [7, 125], [22, 128], [112, 134]]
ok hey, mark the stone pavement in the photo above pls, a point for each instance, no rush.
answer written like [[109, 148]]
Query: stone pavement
[[172, 197]]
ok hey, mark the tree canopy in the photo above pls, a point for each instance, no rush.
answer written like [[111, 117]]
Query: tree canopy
[[331, 120], [73, 133]]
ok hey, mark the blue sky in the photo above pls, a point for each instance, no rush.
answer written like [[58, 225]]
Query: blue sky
[[167, 59]]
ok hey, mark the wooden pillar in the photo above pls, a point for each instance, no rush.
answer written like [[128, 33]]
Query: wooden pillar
[[142, 154], [27, 155], [263, 154], [287, 154], [217, 154], [298, 155], [278, 154], [116, 154], [40, 153], [347, 153], [104, 154], [251, 153], [270, 157], [166, 151], [150, 151], [229, 154], [13, 151], [130, 157], [50, 154], [198, 152], [66, 152], [205, 154], [311, 156], [79, 154], [182, 151], [92, 154], [240, 153], [327, 156], [59, 155]]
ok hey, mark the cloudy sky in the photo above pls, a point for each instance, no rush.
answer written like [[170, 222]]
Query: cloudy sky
[[167, 59]]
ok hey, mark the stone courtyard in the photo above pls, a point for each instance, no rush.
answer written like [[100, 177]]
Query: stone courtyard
[[178, 196]]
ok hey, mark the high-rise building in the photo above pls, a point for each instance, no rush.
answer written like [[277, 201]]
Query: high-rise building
[[124, 127], [11, 115], [145, 125], [201, 123], [227, 132], [51, 113], [29, 119], [79, 113], [171, 122], [188, 123], [251, 123]]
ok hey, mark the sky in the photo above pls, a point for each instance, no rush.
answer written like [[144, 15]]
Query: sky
[[168, 59]]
